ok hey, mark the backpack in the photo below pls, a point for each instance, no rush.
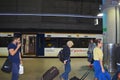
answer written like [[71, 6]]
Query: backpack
[[61, 55]]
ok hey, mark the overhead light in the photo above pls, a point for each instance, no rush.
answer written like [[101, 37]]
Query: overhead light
[[96, 22], [119, 3], [100, 14]]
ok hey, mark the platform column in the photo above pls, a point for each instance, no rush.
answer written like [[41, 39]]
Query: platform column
[[111, 16]]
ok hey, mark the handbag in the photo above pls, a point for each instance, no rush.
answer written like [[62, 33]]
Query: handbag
[[7, 66], [21, 69]]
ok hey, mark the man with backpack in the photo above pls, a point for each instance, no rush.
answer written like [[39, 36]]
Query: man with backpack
[[66, 60]]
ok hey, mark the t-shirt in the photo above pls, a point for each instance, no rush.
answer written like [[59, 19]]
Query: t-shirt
[[97, 54], [15, 58]]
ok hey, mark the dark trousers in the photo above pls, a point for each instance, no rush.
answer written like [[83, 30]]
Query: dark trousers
[[67, 71], [15, 71], [115, 76], [90, 57]]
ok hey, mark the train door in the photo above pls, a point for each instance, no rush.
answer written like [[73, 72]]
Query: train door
[[40, 44], [29, 44]]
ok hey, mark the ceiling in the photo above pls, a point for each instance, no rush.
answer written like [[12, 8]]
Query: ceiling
[[81, 7], [84, 8]]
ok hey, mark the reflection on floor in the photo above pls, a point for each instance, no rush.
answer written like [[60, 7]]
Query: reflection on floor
[[35, 67]]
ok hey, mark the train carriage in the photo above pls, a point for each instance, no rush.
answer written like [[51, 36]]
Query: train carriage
[[48, 44]]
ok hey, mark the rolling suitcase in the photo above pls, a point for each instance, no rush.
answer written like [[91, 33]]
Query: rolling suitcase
[[50, 74]]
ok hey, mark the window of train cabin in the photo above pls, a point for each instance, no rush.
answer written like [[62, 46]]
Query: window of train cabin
[[78, 42], [51, 42], [84, 42], [61, 42], [4, 41]]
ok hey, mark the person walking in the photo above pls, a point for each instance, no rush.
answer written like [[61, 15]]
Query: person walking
[[91, 47], [15, 56], [99, 71], [67, 66], [117, 62]]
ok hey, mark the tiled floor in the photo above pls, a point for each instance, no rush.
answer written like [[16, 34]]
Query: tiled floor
[[35, 67]]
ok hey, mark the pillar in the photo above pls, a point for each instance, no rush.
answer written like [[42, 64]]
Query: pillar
[[111, 26]]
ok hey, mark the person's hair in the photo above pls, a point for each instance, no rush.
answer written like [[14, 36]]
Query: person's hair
[[70, 42], [15, 37], [91, 40], [97, 41]]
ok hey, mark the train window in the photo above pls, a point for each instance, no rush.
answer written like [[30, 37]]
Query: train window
[[4, 41], [60, 42], [51, 42], [84, 42], [78, 42], [63, 41]]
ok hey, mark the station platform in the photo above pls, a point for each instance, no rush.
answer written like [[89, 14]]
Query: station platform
[[36, 67]]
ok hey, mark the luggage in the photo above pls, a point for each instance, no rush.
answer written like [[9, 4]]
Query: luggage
[[74, 78], [50, 74], [7, 66]]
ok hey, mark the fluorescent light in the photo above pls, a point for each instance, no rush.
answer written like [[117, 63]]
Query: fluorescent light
[[100, 14], [96, 22], [48, 15], [119, 3]]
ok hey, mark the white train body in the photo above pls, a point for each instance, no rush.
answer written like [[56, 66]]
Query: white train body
[[49, 44]]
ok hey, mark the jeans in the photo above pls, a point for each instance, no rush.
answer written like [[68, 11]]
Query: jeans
[[118, 67], [15, 71], [67, 71], [90, 57]]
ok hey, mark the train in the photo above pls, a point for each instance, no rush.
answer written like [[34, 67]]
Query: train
[[48, 44]]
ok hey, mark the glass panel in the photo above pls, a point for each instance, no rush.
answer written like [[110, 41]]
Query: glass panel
[[4, 41], [60, 42], [29, 44], [51, 42]]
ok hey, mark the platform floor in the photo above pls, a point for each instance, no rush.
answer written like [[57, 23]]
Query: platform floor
[[35, 67]]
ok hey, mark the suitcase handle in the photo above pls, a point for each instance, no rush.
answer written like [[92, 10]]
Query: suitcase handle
[[52, 70]]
